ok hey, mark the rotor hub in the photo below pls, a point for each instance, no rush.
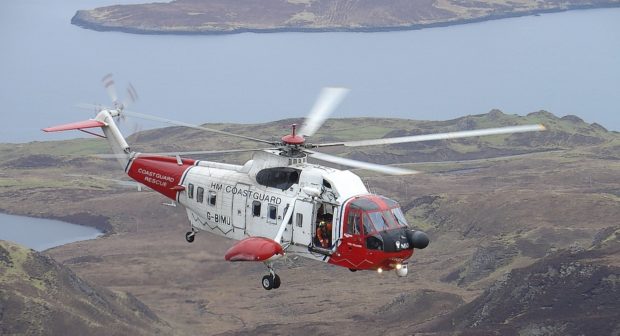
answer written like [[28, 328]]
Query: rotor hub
[[293, 138]]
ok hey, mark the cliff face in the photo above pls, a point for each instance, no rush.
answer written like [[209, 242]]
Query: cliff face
[[38, 296], [224, 16]]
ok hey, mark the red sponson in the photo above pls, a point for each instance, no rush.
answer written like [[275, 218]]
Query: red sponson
[[160, 173], [254, 249]]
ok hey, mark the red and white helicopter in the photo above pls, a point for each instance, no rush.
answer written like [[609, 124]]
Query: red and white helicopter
[[277, 202]]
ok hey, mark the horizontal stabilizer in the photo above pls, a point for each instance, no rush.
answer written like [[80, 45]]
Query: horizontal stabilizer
[[75, 126], [254, 249]]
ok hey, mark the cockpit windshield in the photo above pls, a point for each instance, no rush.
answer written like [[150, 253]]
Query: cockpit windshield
[[400, 216], [378, 213]]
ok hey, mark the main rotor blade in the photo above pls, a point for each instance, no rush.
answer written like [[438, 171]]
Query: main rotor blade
[[329, 99], [225, 151], [438, 136], [180, 123], [391, 170]]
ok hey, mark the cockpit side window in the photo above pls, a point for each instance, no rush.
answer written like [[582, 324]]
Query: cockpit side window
[[367, 224], [353, 223]]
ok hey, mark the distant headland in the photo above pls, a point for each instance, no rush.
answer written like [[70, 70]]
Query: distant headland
[[184, 17]]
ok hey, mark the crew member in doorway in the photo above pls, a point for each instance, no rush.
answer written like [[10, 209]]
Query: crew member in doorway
[[324, 231]]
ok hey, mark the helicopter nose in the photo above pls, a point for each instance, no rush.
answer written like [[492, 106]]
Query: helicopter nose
[[417, 239]]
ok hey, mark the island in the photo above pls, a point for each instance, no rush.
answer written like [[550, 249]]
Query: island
[[263, 16]]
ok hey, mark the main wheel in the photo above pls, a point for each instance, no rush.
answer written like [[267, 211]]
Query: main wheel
[[276, 282], [267, 282], [190, 236], [352, 270]]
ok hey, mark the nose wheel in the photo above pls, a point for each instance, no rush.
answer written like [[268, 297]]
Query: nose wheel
[[271, 280]]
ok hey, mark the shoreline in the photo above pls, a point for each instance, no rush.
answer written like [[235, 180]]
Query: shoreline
[[30, 221], [77, 21]]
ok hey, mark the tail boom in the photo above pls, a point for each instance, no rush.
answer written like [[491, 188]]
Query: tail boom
[[161, 173]]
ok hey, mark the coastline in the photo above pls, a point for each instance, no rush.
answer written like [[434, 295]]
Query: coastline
[[78, 21]]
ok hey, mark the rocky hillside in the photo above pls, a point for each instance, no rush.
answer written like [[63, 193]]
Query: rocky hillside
[[573, 292], [38, 296], [225, 16]]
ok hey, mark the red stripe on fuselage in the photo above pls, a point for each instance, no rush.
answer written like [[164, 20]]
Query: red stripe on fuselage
[[160, 173]]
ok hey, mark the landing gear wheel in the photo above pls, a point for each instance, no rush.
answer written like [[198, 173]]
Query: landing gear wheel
[[276, 282], [190, 236], [352, 270], [268, 282]]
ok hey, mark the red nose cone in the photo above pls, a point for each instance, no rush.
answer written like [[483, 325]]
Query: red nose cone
[[293, 139]]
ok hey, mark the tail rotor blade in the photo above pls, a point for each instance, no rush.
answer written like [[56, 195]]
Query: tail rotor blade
[[108, 83], [132, 96], [327, 102]]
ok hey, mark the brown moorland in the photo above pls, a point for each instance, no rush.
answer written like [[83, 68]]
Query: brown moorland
[[531, 214]]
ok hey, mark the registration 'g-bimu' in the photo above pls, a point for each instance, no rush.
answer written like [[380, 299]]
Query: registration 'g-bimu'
[[277, 202]]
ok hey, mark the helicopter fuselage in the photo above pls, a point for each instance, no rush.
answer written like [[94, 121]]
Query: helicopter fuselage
[[252, 200]]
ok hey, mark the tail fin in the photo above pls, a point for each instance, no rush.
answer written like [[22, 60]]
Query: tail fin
[[104, 120]]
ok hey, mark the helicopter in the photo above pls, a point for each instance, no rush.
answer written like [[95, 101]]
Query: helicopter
[[278, 202]]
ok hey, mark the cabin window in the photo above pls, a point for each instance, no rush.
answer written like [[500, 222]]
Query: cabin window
[[290, 219], [278, 177], [273, 212], [299, 220], [200, 193], [190, 190], [256, 208], [212, 198]]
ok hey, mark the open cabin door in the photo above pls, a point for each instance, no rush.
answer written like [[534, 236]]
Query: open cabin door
[[302, 222]]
